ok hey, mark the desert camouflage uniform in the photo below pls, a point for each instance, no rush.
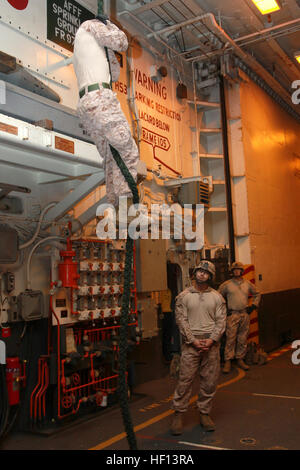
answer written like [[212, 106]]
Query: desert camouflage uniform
[[199, 315], [238, 321], [102, 117]]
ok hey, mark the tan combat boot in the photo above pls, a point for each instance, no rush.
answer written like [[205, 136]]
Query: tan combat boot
[[227, 367], [242, 365], [207, 423], [176, 425]]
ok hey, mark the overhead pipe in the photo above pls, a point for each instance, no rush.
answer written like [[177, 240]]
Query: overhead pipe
[[144, 25], [267, 30], [253, 68], [174, 27]]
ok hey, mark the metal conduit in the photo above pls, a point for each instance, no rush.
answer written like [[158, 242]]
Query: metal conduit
[[243, 57], [227, 171], [263, 84]]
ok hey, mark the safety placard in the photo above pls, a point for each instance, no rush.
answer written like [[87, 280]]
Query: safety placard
[[64, 144], [63, 20], [8, 128]]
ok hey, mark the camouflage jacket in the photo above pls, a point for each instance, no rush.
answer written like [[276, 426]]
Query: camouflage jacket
[[200, 312], [238, 292]]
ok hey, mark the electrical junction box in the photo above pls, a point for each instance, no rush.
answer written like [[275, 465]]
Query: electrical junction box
[[11, 205], [9, 281], [31, 305], [148, 310], [181, 91], [151, 265], [8, 244]]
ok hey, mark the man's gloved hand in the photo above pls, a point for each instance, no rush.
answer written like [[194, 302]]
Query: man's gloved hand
[[250, 309], [102, 18]]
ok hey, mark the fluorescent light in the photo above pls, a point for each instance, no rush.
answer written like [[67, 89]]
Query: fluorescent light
[[266, 6], [297, 56]]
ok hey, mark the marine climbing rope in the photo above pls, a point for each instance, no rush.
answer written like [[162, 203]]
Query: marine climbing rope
[[123, 346]]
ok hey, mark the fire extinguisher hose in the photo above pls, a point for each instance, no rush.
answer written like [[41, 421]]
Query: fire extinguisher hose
[[122, 386]]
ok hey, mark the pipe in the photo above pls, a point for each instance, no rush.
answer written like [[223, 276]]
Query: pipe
[[257, 70], [35, 389], [29, 242], [227, 170], [174, 27], [131, 99], [137, 20], [252, 37], [267, 30], [58, 355], [196, 117]]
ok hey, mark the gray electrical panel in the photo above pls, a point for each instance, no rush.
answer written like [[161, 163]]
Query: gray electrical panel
[[31, 305], [195, 192], [151, 270], [8, 244]]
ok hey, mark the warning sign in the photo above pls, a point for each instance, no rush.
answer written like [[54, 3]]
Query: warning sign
[[7, 128], [155, 140], [64, 144], [63, 20]]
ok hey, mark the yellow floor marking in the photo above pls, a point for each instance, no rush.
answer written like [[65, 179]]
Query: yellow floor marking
[[159, 417], [278, 353]]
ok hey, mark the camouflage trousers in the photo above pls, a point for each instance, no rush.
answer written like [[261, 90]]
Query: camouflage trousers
[[207, 365], [101, 116], [237, 330]]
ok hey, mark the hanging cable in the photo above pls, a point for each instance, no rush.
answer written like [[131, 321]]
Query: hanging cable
[[123, 346], [37, 231]]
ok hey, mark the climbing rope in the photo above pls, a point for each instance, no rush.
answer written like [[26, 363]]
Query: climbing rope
[[123, 345]]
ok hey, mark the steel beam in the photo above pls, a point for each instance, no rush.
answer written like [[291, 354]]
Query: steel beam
[[149, 6], [79, 193], [90, 213]]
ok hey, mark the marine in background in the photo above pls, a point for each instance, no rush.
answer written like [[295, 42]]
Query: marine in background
[[237, 291]]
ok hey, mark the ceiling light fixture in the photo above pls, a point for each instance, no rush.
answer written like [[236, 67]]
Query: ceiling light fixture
[[267, 6], [297, 56]]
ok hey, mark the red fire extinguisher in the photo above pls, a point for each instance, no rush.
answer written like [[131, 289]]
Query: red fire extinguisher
[[13, 376], [68, 273]]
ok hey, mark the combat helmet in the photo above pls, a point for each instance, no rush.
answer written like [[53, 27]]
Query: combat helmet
[[237, 265], [206, 266]]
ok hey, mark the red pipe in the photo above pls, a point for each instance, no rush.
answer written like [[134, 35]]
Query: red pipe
[[58, 358], [37, 398], [167, 166], [36, 387], [45, 388]]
